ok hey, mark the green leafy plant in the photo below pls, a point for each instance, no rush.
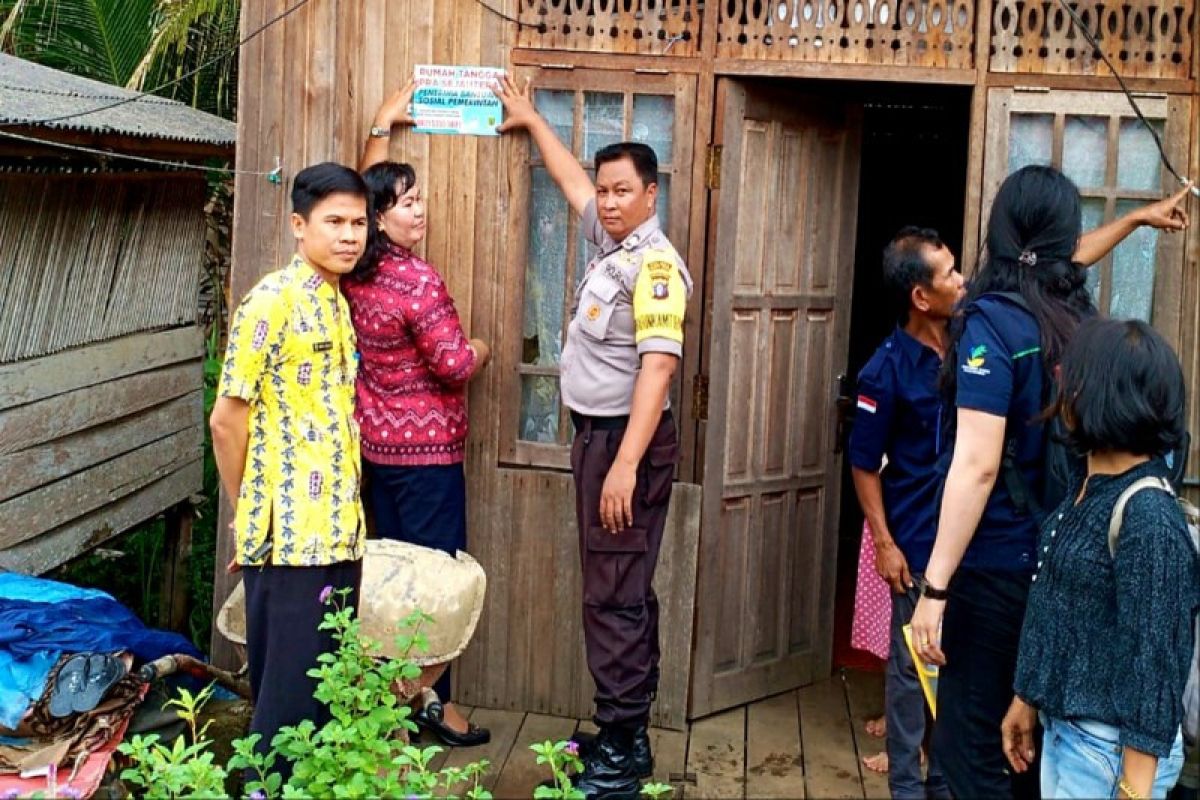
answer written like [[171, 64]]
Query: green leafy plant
[[562, 758], [359, 753], [185, 769]]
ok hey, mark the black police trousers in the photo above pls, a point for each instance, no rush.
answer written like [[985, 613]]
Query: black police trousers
[[620, 609]]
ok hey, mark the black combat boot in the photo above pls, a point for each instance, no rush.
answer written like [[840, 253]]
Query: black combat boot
[[608, 770], [643, 759]]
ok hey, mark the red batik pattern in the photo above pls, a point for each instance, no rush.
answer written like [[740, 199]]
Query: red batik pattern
[[414, 364]]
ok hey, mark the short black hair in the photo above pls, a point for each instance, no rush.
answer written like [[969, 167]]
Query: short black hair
[[1122, 389], [642, 156], [313, 184], [905, 265]]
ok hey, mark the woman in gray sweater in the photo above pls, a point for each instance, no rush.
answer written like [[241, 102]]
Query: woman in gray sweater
[[1107, 641]]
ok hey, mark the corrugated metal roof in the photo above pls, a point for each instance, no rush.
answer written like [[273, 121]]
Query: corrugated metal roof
[[30, 92]]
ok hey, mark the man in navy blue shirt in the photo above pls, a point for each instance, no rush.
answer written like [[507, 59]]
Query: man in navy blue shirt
[[899, 419]]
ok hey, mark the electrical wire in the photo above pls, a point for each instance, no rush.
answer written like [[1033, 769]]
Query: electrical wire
[[152, 92], [506, 17], [1091, 40], [131, 157]]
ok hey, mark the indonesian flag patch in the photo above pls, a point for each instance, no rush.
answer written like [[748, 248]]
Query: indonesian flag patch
[[867, 404]]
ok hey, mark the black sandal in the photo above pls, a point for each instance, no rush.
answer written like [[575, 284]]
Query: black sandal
[[431, 717]]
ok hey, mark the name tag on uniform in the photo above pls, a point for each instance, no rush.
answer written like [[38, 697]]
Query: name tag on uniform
[[322, 347]]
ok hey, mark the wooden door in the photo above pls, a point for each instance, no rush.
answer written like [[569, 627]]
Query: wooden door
[[784, 220]]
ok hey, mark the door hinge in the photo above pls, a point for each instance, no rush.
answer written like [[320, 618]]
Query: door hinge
[[700, 396], [712, 166]]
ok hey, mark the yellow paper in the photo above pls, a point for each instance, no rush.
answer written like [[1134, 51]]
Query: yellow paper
[[927, 673]]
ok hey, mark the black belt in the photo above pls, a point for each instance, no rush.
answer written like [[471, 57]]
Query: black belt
[[580, 421]]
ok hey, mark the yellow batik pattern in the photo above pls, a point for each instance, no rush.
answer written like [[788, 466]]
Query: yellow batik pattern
[[291, 357]]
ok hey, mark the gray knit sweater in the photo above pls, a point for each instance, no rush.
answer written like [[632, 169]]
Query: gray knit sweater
[[1112, 640]]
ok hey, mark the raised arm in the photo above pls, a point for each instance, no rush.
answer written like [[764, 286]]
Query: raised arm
[[566, 171], [1168, 214], [393, 112]]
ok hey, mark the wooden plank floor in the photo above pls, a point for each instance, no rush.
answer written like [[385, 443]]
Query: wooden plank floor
[[806, 743]]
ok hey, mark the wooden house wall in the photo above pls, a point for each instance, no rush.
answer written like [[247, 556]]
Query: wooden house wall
[[310, 85], [101, 383]]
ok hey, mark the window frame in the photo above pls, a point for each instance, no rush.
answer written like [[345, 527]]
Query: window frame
[[1172, 111], [522, 159]]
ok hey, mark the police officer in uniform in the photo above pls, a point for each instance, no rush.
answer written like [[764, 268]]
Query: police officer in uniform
[[623, 346]]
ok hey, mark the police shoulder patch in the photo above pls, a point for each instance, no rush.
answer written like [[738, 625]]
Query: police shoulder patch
[[660, 267]]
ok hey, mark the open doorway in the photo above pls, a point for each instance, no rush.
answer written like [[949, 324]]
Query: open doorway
[[914, 172]]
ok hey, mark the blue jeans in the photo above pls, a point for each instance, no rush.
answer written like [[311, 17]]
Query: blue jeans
[[1082, 758]]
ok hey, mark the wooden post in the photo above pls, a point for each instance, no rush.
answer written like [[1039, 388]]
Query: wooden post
[[177, 552]]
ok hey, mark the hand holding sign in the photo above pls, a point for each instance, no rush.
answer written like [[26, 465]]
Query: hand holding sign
[[451, 99], [395, 110]]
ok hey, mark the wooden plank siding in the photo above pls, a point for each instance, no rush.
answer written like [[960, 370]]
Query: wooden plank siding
[[95, 440], [310, 87], [88, 258]]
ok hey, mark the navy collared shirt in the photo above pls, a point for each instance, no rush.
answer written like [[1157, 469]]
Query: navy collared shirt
[[899, 416], [999, 372]]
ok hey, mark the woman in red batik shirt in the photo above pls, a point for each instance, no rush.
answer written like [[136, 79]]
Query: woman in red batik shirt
[[415, 362]]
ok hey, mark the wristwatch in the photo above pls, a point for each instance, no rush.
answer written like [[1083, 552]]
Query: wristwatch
[[927, 590], [380, 133]]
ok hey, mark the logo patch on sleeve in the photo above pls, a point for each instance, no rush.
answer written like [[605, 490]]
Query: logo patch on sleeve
[[975, 362], [867, 404]]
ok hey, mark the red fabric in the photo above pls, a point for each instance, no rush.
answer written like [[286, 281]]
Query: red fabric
[[83, 783], [414, 364]]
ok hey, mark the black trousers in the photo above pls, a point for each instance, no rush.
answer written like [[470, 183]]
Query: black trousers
[[425, 505], [980, 634], [620, 609], [282, 642]]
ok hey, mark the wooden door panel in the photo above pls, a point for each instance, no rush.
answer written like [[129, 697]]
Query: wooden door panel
[[754, 189], [781, 388], [815, 429], [743, 405], [735, 521], [805, 590], [781, 276]]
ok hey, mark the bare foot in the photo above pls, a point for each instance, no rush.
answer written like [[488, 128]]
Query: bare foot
[[876, 763], [876, 726]]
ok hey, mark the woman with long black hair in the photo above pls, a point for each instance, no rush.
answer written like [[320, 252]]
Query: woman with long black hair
[[1024, 304]]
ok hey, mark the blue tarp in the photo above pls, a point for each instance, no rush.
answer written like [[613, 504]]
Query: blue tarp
[[42, 619]]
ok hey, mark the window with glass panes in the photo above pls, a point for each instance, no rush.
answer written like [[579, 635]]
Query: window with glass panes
[[1096, 140], [587, 111]]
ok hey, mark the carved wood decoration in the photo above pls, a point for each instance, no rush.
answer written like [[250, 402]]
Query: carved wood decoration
[[920, 33], [649, 27], [1143, 39]]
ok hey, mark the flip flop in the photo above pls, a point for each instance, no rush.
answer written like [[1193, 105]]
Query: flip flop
[[71, 681], [83, 681]]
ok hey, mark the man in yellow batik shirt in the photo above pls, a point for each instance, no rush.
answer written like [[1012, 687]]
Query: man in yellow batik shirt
[[623, 347], [287, 448]]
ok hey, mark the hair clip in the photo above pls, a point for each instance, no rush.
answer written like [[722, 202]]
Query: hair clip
[[1028, 258]]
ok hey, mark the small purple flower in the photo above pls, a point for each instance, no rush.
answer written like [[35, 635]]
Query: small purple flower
[[258, 794], [70, 792], [326, 593], [572, 747], [11, 794]]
